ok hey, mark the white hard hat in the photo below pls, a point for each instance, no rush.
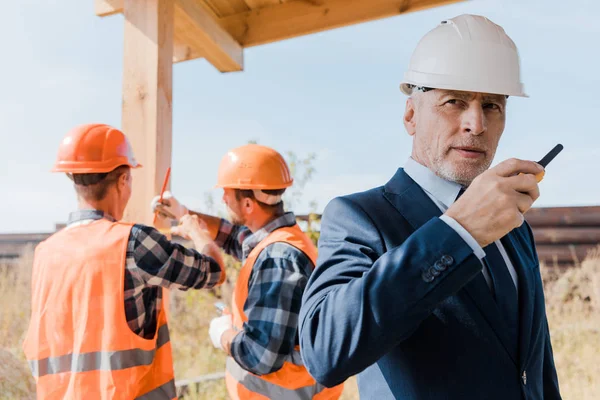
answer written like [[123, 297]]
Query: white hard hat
[[468, 53]]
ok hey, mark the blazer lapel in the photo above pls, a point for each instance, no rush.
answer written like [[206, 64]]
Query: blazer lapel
[[523, 266], [410, 200], [417, 208]]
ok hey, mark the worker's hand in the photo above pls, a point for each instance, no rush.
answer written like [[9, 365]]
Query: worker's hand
[[218, 326], [193, 228], [496, 200], [170, 205]]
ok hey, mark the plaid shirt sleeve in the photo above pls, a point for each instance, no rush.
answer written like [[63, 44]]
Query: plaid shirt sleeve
[[161, 262], [230, 238], [275, 292]]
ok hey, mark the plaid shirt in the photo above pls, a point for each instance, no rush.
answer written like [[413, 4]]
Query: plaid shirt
[[153, 262], [275, 289]]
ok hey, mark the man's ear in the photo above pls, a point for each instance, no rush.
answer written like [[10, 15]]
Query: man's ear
[[248, 205], [410, 120], [122, 181]]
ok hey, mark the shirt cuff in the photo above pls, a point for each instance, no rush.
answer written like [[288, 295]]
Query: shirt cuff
[[466, 236], [225, 228]]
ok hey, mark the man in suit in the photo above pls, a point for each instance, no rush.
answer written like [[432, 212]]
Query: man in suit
[[422, 295]]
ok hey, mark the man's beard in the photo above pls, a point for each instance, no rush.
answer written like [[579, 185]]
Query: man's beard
[[234, 218], [463, 173]]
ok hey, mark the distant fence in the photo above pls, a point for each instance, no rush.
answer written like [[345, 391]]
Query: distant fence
[[563, 235]]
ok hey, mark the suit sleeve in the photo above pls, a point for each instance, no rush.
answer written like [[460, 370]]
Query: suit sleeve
[[360, 302]]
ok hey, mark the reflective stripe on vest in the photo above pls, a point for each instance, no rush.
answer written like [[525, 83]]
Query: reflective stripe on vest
[[166, 391], [98, 360], [268, 389]]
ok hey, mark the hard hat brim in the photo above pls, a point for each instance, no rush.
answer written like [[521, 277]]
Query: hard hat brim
[[74, 167]]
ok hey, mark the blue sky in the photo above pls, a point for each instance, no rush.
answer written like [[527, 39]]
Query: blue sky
[[334, 93]]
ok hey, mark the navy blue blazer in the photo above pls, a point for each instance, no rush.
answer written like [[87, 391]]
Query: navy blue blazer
[[369, 310]]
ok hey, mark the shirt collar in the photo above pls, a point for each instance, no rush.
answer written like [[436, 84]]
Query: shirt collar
[[439, 188], [287, 219], [79, 216]]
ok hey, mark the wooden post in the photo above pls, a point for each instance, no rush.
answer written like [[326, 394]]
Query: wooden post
[[147, 98]]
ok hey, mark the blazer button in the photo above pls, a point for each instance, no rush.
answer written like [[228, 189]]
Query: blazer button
[[447, 260], [427, 277], [439, 266]]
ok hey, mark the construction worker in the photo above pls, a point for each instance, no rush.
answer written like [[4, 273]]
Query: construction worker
[[98, 326], [260, 334]]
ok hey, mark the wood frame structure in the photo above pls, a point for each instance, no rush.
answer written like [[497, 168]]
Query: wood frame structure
[[159, 33]]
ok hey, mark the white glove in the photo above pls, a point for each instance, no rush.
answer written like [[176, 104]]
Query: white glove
[[170, 204], [218, 326]]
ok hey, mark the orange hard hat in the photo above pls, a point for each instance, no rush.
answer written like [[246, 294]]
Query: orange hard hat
[[253, 166], [94, 148]]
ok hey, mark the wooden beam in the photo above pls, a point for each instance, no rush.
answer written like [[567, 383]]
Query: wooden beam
[[302, 17], [256, 4], [147, 98], [224, 8], [220, 8], [197, 27], [104, 8], [183, 52]]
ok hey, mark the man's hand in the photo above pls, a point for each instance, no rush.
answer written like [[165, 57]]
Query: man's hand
[[218, 326], [496, 200], [169, 204], [191, 227]]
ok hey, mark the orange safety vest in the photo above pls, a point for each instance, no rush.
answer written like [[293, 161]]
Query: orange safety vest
[[78, 344], [292, 381]]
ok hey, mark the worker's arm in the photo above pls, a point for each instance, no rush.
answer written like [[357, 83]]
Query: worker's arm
[[160, 262], [230, 238], [226, 235], [274, 299], [360, 303]]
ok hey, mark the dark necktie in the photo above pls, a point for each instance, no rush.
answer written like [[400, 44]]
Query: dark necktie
[[504, 288]]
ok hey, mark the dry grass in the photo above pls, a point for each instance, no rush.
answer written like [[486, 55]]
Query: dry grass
[[573, 304]]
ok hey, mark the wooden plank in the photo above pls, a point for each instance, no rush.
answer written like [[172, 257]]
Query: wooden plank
[[197, 27], [567, 235], [563, 253], [220, 8], [564, 216], [181, 50], [257, 4], [297, 18], [147, 98], [225, 8], [104, 8]]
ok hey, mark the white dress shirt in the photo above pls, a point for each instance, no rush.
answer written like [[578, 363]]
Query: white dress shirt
[[443, 193]]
